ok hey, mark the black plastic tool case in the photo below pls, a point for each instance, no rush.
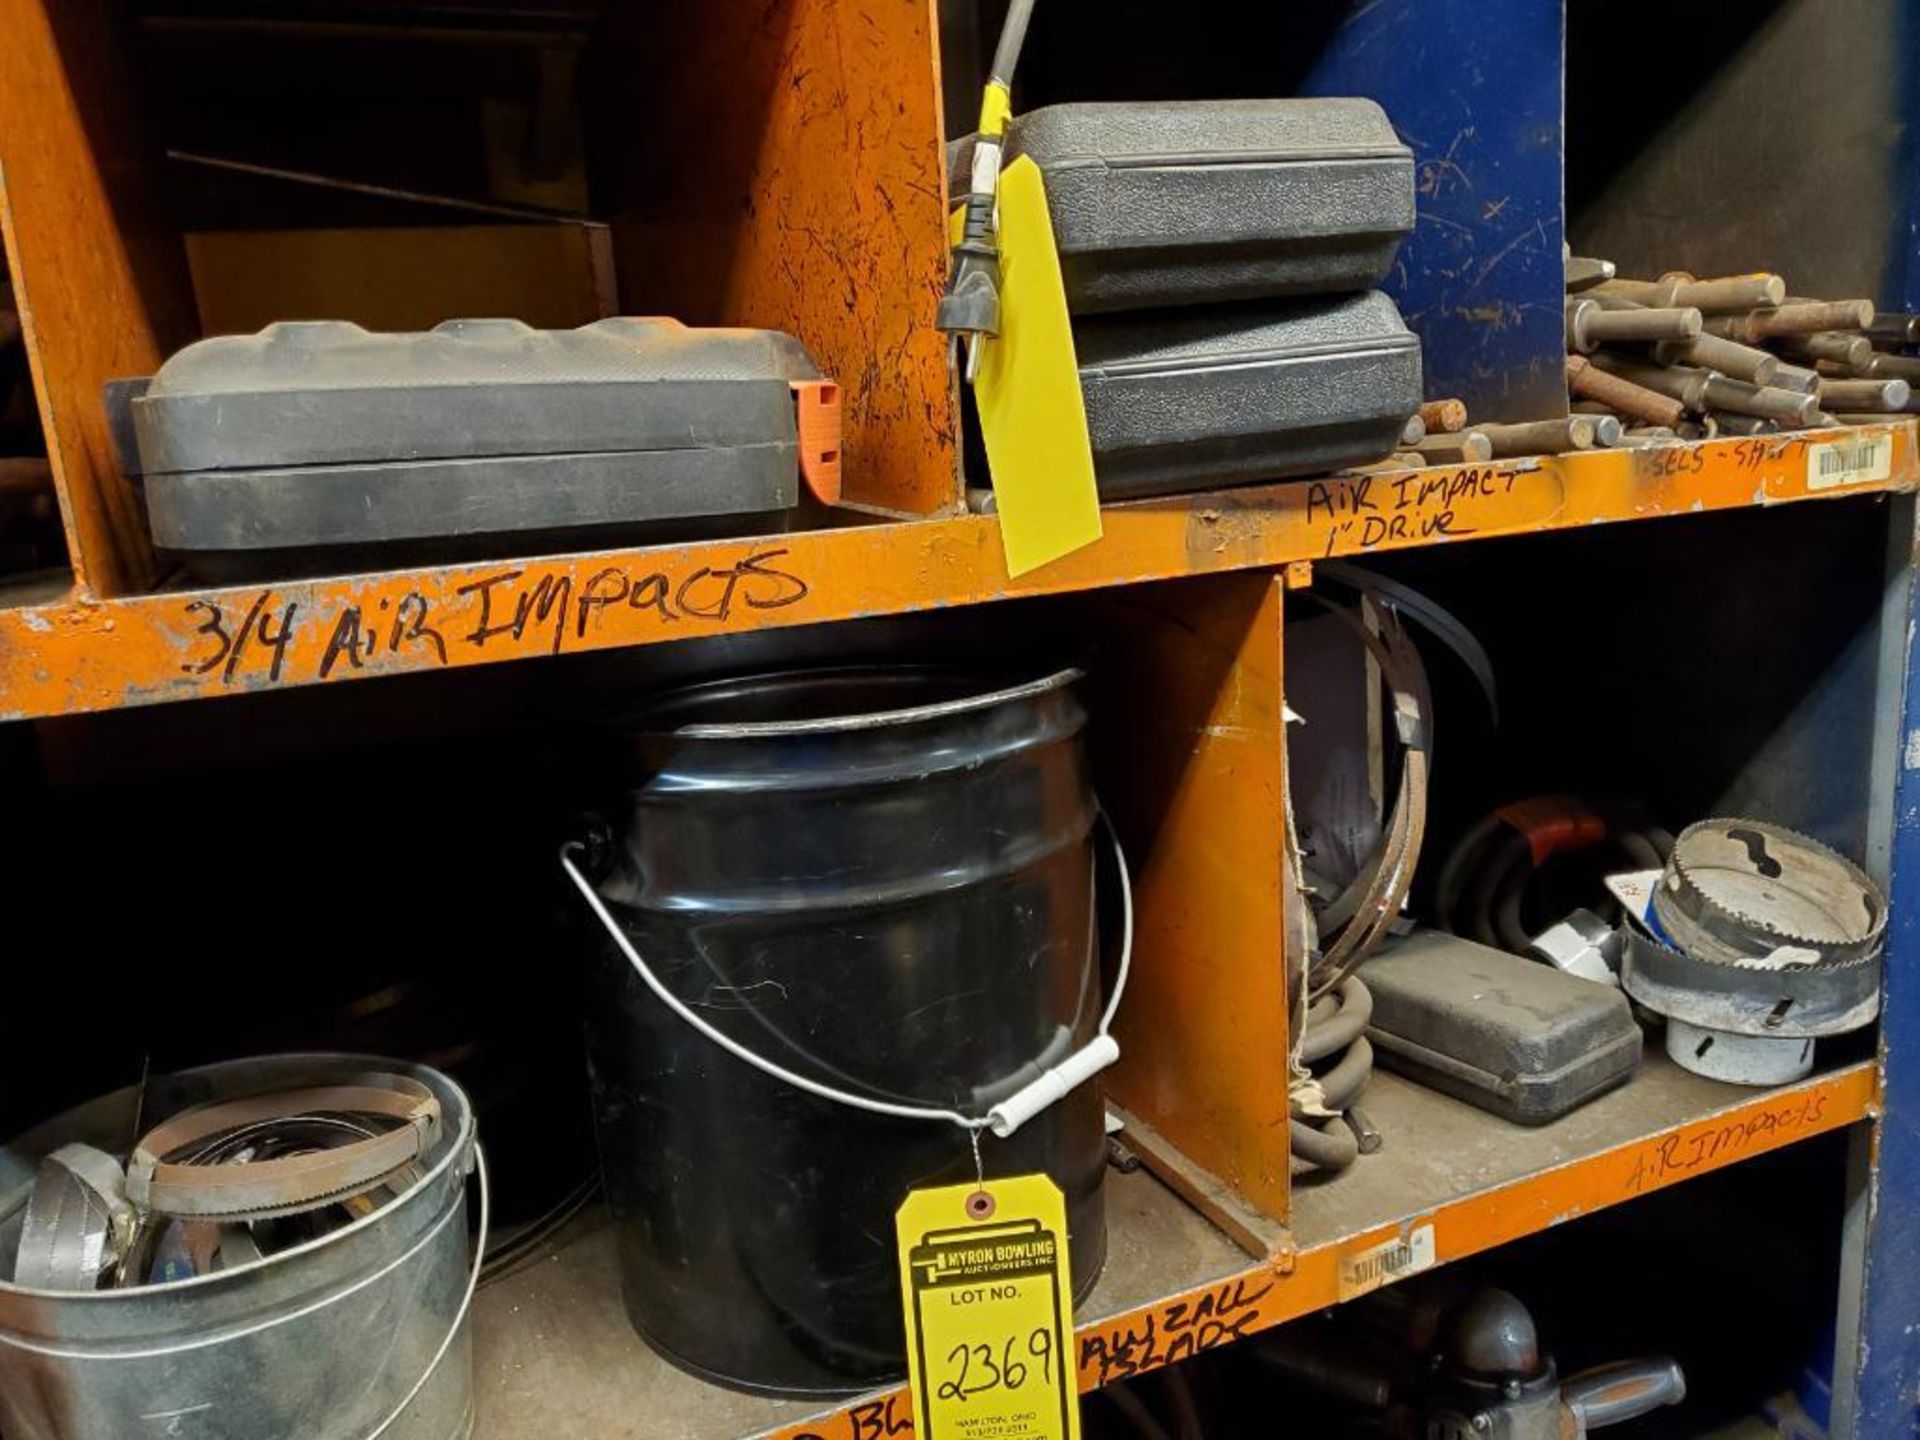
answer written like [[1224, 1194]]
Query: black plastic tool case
[[1510, 1035], [322, 441], [1176, 203], [1194, 399]]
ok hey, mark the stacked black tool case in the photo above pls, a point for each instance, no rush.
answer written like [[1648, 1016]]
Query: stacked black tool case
[[1219, 258], [317, 445]]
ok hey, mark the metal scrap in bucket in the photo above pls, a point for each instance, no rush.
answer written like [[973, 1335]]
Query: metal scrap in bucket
[[224, 1184]]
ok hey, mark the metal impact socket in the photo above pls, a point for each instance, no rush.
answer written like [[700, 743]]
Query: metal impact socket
[[1542, 437], [1588, 381], [1731, 292], [1444, 416], [1883, 395], [1590, 326], [1765, 401], [1715, 352], [1413, 432]]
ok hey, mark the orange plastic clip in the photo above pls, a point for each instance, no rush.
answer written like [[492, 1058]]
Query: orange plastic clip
[[1553, 823], [817, 407]]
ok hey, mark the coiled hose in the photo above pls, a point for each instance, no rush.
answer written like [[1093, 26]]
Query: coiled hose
[[1332, 1060], [1484, 885], [1336, 1026]]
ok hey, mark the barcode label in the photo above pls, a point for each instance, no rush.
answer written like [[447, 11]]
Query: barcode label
[[1849, 462], [1379, 1265]]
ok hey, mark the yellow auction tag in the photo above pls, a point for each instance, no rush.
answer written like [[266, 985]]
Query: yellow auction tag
[[1032, 415], [989, 1308]]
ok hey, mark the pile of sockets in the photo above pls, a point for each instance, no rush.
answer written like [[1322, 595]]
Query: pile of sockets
[[1650, 362], [1687, 358]]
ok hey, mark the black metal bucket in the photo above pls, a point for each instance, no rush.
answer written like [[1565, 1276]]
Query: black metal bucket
[[880, 880]]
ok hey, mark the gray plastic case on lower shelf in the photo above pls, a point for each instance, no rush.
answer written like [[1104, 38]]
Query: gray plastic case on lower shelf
[[1510, 1035], [1228, 395], [1197, 201], [324, 438]]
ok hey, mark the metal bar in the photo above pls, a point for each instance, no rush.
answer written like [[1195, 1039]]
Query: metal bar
[[1636, 401], [1455, 447], [1542, 437], [1732, 292], [1590, 325], [1853, 351], [1804, 317], [1890, 395], [1716, 352]]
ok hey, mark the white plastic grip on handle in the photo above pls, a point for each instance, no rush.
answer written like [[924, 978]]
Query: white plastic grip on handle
[[1054, 1084]]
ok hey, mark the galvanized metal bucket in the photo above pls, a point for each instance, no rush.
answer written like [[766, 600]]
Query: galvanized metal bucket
[[357, 1335]]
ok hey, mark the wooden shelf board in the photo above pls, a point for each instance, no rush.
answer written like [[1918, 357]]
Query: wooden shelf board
[[81, 654], [554, 1354]]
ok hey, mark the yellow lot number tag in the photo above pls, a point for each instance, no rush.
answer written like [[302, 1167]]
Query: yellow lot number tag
[[989, 1309]]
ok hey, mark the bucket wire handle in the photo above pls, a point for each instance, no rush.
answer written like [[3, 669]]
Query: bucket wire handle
[[460, 1315], [1054, 1083]]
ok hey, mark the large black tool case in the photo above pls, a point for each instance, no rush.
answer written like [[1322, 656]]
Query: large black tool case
[[316, 443], [1193, 399], [1187, 202], [1510, 1035]]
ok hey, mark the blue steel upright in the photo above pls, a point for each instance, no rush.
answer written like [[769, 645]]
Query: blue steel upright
[[1886, 1367], [1476, 87]]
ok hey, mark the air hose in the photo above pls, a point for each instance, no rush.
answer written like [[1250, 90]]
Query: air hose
[[1484, 886]]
